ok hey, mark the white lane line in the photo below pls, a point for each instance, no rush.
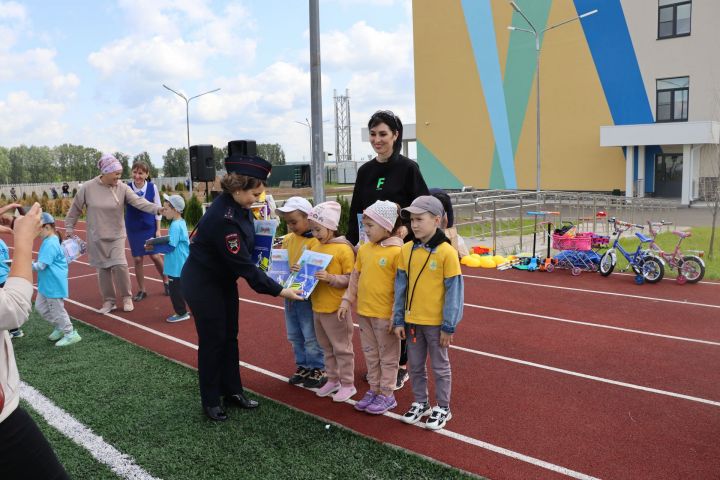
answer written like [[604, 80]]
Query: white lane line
[[595, 325], [83, 276], [448, 433], [598, 292], [120, 463], [557, 370]]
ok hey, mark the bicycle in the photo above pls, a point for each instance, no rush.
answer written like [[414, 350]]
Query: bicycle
[[690, 268], [647, 267]]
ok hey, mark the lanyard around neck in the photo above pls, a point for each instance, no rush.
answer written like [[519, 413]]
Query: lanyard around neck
[[408, 304]]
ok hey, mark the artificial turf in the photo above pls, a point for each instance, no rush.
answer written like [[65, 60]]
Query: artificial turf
[[147, 407]]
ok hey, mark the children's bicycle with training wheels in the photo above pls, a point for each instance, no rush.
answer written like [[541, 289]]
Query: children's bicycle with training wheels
[[647, 267], [690, 266]]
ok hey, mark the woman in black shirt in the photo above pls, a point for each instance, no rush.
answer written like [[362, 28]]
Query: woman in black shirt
[[389, 176]]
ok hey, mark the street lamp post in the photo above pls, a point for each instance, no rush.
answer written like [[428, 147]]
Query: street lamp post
[[187, 122], [537, 35]]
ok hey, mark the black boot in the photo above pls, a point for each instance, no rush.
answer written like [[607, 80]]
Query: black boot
[[215, 413], [240, 400]]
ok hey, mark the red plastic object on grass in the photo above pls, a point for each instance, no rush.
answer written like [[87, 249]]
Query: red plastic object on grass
[[480, 250]]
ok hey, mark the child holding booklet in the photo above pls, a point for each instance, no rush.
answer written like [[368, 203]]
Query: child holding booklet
[[52, 269], [372, 286], [334, 335], [309, 361]]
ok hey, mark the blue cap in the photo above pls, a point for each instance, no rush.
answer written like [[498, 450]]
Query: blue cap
[[46, 218]]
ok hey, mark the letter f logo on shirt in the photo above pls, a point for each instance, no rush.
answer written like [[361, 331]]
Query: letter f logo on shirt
[[380, 183]]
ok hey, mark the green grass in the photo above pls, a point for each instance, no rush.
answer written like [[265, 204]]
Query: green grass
[[148, 407], [700, 240]]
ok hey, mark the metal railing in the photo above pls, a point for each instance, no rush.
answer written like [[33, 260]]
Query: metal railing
[[499, 219]]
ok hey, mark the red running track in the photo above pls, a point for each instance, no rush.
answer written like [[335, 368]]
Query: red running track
[[554, 375]]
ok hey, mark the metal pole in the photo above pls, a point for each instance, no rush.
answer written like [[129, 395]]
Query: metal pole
[[187, 121], [318, 183], [537, 114]]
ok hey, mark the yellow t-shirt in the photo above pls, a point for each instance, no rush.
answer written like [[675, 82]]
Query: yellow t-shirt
[[429, 291], [326, 299], [376, 285], [296, 245]]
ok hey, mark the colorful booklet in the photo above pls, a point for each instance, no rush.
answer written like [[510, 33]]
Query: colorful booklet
[[73, 248], [304, 279], [264, 236], [158, 245], [279, 265], [362, 235]]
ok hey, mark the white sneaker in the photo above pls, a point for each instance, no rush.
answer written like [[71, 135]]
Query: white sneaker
[[128, 305], [438, 418], [416, 412], [107, 307]]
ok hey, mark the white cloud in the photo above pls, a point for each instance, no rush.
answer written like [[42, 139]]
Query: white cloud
[[12, 11], [30, 121]]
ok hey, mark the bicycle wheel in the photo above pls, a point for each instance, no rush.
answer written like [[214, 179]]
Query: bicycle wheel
[[652, 269], [692, 267], [607, 264]]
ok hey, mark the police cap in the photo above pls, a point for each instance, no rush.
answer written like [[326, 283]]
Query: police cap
[[242, 159]]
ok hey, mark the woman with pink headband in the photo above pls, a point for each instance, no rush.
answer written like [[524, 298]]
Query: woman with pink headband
[[105, 197]]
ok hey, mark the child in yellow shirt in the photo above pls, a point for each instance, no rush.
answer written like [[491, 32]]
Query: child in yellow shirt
[[334, 335], [428, 306], [372, 287], [309, 361]]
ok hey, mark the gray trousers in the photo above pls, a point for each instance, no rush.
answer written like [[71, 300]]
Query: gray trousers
[[424, 340], [53, 311], [115, 276]]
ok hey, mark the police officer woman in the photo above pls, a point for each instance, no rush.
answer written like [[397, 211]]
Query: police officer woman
[[220, 252]]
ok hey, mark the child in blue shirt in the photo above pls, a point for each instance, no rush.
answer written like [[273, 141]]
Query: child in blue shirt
[[175, 259], [52, 269]]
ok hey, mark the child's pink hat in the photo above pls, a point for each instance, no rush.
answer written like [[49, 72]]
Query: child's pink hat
[[326, 214]]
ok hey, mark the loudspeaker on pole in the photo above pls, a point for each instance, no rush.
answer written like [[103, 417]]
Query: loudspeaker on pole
[[202, 163]]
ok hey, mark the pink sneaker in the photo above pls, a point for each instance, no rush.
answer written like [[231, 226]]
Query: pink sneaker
[[381, 404], [328, 388], [344, 394], [365, 401]]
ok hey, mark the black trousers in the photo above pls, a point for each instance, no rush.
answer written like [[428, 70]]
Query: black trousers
[[24, 452], [176, 295], [214, 305]]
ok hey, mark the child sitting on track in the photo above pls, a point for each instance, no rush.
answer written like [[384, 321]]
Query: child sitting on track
[[372, 286], [52, 268], [428, 306]]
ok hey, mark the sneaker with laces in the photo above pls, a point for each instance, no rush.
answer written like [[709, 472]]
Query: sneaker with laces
[[438, 418], [328, 388], [107, 307], [345, 393], [299, 376], [56, 335], [16, 333], [402, 377], [381, 404], [128, 305], [416, 412], [140, 296], [178, 318], [365, 401], [316, 378], [68, 339]]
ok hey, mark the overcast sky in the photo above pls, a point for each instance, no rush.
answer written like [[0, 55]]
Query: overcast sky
[[91, 72]]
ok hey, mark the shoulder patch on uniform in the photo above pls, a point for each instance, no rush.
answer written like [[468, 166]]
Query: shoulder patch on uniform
[[229, 213], [232, 242]]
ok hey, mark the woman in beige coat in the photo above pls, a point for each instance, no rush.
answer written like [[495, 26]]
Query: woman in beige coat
[[105, 197], [24, 451]]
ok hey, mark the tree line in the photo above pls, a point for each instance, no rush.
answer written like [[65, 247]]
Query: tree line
[[42, 164]]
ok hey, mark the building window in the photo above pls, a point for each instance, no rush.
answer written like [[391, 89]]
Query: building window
[[674, 18], [672, 99]]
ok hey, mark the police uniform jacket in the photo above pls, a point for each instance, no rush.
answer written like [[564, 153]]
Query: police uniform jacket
[[221, 249]]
